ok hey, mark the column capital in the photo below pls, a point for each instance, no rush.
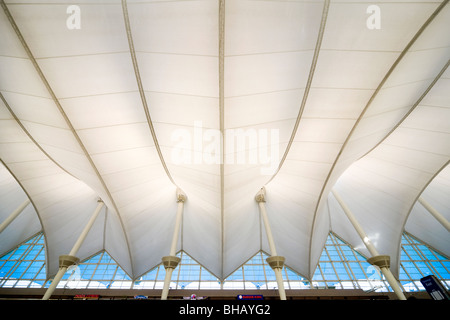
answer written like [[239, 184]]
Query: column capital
[[67, 260], [276, 261], [181, 196], [170, 261], [261, 195], [382, 261]]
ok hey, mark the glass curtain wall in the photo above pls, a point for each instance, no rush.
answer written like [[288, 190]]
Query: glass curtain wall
[[339, 267]]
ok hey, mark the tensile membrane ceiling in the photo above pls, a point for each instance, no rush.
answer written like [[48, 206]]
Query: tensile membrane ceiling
[[127, 101]]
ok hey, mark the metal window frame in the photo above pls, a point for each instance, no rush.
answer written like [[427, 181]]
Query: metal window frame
[[408, 243]]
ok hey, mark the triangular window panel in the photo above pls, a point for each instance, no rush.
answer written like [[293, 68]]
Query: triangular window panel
[[257, 274], [98, 272], [189, 274], [341, 267], [417, 260], [24, 266]]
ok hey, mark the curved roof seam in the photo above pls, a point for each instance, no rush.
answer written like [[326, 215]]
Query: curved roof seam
[[330, 230], [44, 124], [424, 130], [252, 125], [81, 55], [34, 206], [64, 115], [264, 93], [412, 206], [182, 94], [414, 106], [104, 227], [25, 93], [414, 149], [390, 178], [307, 87], [267, 53], [112, 126], [124, 149], [406, 83], [178, 54], [392, 162], [315, 58], [141, 89], [98, 94], [406, 145], [29, 135], [371, 99]]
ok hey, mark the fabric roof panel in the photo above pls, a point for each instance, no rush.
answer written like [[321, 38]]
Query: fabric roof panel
[[255, 27], [369, 26], [58, 30], [182, 27], [363, 105], [89, 75], [104, 110], [26, 224]]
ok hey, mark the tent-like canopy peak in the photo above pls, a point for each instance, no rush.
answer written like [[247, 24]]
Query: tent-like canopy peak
[[129, 101]]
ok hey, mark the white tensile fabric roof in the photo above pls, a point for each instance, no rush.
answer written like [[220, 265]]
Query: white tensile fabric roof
[[128, 101]]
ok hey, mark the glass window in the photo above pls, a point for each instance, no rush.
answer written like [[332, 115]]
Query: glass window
[[324, 256], [318, 274], [207, 276], [348, 254], [440, 269], [340, 266], [419, 260], [341, 271], [237, 275]]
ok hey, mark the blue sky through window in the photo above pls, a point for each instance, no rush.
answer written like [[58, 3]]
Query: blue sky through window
[[339, 267]]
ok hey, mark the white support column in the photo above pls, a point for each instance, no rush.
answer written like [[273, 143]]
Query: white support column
[[382, 261], [436, 214], [65, 261], [276, 262], [171, 261], [14, 215]]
